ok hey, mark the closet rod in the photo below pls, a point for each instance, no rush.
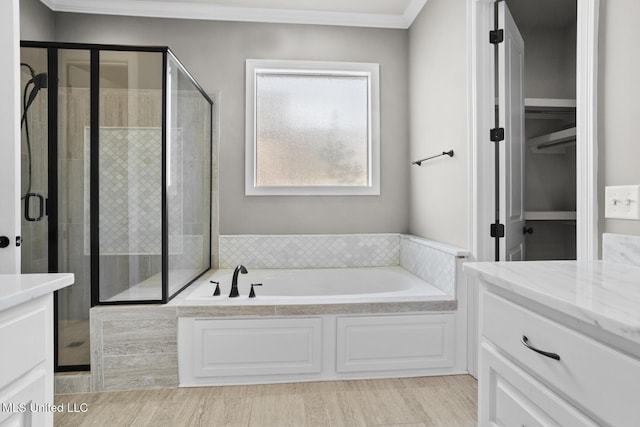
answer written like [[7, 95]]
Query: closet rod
[[555, 144], [444, 153]]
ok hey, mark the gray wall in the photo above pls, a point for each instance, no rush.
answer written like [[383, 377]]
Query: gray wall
[[36, 21], [618, 106], [438, 103], [214, 52]]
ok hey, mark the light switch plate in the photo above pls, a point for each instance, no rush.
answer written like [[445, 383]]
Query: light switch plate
[[622, 202]]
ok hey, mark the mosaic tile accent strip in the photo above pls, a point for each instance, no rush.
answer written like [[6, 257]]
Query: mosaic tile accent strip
[[621, 248], [130, 164], [309, 251], [432, 262]]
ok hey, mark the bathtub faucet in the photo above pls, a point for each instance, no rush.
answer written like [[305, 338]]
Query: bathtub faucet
[[234, 282]]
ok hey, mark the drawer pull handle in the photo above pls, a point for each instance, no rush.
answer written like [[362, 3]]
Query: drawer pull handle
[[525, 341]]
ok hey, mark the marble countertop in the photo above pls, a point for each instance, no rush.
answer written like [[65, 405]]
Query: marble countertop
[[16, 289], [603, 294]]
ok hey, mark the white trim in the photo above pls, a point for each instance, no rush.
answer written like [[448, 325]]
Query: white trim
[[412, 11], [49, 3], [481, 119], [201, 11], [10, 204], [587, 130], [369, 70]]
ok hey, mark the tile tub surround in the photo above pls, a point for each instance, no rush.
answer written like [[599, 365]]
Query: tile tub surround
[[435, 263], [621, 248], [309, 250], [134, 346]]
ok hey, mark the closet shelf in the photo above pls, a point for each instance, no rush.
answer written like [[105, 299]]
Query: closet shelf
[[549, 104], [550, 216], [549, 108], [553, 139]]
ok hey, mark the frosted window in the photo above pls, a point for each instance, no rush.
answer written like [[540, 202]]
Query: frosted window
[[311, 131]]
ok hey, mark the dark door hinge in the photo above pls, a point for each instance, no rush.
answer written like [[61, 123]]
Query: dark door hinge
[[497, 230], [497, 134], [496, 36]]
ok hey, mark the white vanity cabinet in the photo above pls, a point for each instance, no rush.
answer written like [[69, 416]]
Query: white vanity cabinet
[[26, 358], [559, 344]]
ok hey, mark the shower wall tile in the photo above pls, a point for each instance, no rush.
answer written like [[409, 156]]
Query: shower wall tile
[[309, 251], [433, 262], [621, 248], [75, 303], [130, 190], [71, 195]]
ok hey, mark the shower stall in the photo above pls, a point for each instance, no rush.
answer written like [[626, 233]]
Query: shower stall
[[116, 179]]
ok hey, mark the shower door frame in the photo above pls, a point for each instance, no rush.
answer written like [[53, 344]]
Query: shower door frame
[[94, 208]]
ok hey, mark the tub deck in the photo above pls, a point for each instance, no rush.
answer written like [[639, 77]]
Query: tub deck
[[314, 291]]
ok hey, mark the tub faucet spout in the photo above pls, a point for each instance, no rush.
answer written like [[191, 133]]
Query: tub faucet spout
[[234, 282]]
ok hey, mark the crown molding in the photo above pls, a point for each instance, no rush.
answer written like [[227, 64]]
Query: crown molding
[[193, 10]]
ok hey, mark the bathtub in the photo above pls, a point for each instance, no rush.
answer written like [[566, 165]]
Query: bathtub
[[316, 325], [316, 286]]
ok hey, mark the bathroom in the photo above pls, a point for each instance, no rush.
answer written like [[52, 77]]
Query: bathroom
[[425, 79]]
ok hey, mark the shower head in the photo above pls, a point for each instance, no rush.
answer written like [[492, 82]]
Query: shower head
[[40, 80]]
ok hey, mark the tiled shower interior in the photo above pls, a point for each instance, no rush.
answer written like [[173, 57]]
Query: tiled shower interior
[[130, 184]]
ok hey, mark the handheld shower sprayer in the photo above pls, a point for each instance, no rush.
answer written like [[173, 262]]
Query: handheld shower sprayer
[[39, 81]]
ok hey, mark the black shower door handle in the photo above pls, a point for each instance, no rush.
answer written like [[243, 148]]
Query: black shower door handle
[[27, 205]]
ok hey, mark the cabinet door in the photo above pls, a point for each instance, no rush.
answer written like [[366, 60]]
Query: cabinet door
[[23, 402], [395, 343], [241, 347]]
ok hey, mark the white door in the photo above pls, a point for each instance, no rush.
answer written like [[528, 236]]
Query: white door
[[10, 137], [511, 118]]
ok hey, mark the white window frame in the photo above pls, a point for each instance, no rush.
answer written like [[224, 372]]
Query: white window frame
[[347, 69]]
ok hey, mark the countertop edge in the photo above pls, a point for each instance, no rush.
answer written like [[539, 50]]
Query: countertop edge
[[30, 286], [597, 319]]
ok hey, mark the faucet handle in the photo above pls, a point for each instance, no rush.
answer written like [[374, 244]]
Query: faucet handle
[[252, 293], [217, 291]]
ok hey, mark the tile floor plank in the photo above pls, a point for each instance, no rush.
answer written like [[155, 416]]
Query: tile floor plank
[[448, 401]]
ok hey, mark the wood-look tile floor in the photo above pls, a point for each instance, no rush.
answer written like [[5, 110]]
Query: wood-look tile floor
[[447, 401]]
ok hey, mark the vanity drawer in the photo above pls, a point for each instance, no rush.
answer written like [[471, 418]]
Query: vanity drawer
[[511, 397], [587, 370]]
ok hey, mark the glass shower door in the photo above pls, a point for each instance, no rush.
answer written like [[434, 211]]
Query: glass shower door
[[73, 248], [54, 205], [34, 161]]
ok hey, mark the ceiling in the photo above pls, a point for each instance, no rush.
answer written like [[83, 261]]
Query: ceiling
[[356, 13]]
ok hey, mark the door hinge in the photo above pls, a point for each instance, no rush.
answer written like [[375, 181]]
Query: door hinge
[[496, 36], [497, 134], [497, 230]]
